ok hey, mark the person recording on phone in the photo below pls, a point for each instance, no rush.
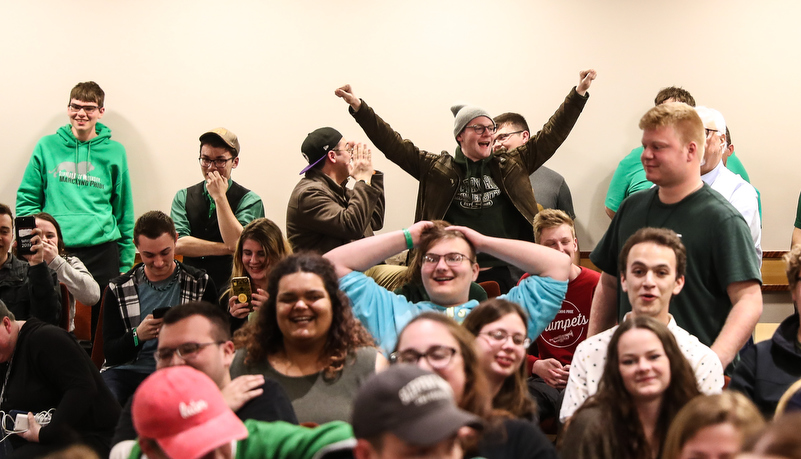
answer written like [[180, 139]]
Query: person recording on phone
[[28, 288], [134, 303]]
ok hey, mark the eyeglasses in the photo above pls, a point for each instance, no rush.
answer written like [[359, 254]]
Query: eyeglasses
[[500, 336], [503, 137], [451, 259], [219, 163], [708, 131], [479, 129], [89, 109], [184, 351], [438, 357], [349, 150]]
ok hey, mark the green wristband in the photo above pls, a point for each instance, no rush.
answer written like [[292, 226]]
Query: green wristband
[[409, 241], [136, 337]]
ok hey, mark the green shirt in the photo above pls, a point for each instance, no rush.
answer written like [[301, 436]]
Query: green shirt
[[629, 177], [249, 209], [282, 440], [720, 252]]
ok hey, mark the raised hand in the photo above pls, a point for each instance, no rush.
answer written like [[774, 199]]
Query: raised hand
[[346, 93], [585, 80], [361, 166]]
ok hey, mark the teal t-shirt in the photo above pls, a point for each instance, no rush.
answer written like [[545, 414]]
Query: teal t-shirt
[[629, 177]]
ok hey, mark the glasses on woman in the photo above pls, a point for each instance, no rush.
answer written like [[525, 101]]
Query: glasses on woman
[[500, 337], [438, 357], [184, 351]]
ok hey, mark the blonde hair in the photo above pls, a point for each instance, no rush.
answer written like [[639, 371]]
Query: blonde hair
[[710, 410], [682, 118], [792, 265], [551, 218]]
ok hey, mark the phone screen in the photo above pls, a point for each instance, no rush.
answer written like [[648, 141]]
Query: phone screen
[[24, 228]]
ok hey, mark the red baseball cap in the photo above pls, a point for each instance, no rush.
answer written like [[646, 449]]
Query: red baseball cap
[[184, 411]]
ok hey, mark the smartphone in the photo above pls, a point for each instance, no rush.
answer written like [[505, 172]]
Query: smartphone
[[240, 288], [158, 313], [24, 228]]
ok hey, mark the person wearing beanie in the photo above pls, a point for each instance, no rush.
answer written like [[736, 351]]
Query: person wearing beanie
[[209, 216], [488, 192], [324, 210]]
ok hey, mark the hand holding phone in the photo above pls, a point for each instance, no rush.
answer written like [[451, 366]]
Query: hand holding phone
[[241, 290], [24, 232]]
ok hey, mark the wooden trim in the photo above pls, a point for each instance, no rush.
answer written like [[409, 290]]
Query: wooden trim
[[773, 276]]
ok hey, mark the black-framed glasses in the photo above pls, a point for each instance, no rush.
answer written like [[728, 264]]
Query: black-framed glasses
[[219, 163], [437, 356], [349, 150], [184, 351], [708, 131], [503, 137], [500, 337], [480, 128], [451, 259], [89, 109]]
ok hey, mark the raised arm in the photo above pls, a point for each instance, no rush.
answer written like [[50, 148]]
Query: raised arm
[[365, 253], [533, 258]]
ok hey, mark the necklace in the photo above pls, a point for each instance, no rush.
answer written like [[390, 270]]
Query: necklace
[[166, 287]]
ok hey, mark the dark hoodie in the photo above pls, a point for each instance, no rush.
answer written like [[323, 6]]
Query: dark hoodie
[[768, 369], [50, 370]]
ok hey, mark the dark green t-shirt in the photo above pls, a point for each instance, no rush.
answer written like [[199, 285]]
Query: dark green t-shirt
[[481, 205], [720, 251]]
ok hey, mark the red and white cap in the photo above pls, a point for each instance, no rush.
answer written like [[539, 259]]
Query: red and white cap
[[184, 411]]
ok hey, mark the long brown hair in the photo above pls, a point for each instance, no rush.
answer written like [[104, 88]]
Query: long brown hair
[[269, 236], [513, 396], [612, 397], [346, 334]]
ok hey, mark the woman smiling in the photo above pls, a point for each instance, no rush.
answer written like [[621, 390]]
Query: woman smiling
[[307, 339], [261, 245]]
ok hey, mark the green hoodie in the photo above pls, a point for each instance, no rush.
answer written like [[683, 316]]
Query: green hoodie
[[85, 186]]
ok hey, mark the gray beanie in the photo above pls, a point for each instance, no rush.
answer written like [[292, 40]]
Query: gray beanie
[[463, 113]]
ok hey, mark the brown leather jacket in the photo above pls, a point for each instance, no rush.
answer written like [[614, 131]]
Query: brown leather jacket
[[323, 215], [439, 177]]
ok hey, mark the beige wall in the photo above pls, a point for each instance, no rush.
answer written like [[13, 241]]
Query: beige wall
[[267, 70]]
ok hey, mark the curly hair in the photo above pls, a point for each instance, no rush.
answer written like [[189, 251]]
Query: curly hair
[[346, 334], [710, 410], [430, 237], [613, 398], [513, 396]]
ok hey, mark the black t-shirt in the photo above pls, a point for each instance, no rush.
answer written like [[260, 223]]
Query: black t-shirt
[[516, 439]]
